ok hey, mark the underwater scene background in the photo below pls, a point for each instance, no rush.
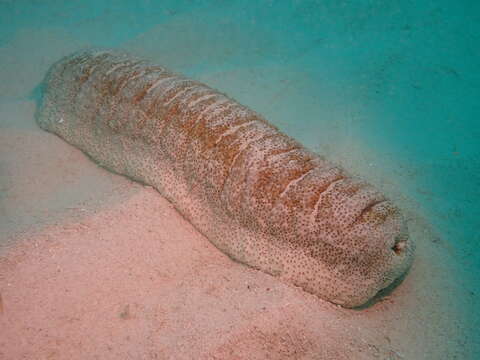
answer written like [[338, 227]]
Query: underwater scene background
[[387, 89]]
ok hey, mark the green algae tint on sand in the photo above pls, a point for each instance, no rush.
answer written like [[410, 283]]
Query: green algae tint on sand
[[255, 193]]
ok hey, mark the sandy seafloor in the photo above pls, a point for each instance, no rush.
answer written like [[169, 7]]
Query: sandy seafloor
[[94, 266]]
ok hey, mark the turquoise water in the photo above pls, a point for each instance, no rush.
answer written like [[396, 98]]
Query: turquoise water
[[387, 88]]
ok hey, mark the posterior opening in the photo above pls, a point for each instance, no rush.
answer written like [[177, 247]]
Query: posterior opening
[[399, 246]]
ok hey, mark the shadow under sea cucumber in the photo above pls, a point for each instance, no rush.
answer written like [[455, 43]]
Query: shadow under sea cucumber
[[255, 193]]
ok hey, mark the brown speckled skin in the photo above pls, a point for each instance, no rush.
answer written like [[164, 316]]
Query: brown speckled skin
[[255, 193]]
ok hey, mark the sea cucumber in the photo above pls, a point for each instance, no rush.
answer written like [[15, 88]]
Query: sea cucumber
[[255, 193]]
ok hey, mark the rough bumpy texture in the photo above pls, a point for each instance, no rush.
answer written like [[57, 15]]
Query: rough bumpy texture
[[255, 193]]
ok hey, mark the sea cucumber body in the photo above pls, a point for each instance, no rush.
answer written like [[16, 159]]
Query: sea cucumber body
[[254, 192]]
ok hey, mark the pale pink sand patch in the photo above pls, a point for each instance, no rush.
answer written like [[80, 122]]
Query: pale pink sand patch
[[138, 281]]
